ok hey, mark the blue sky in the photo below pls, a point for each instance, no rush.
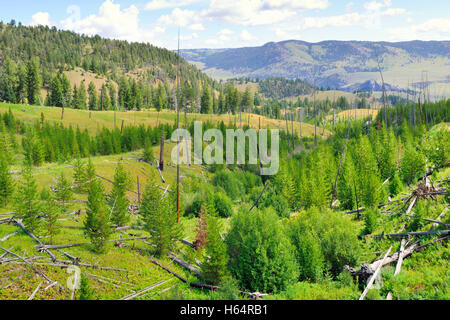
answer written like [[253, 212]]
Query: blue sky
[[228, 23]]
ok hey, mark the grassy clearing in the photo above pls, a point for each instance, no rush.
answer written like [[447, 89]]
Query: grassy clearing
[[94, 120], [18, 281]]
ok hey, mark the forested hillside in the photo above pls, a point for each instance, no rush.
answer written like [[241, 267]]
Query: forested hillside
[[144, 75]]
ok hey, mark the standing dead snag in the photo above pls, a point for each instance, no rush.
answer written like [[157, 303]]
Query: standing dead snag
[[161, 155]]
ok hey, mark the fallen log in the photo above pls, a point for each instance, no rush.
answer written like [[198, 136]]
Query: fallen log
[[411, 205], [407, 234], [35, 291], [30, 234], [368, 269], [30, 264], [8, 236], [439, 218], [75, 260], [145, 290], [362, 209], [184, 241], [61, 246], [374, 275], [398, 266], [185, 265], [99, 279]]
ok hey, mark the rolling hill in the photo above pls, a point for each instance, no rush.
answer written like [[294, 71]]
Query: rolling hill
[[347, 65]]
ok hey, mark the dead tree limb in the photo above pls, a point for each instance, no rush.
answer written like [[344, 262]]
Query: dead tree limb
[[30, 234], [407, 234], [398, 266], [35, 291], [61, 246], [30, 264], [8, 236], [375, 274], [145, 290], [260, 195], [439, 218]]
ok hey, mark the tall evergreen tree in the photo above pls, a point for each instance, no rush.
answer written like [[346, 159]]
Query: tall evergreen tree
[[33, 81], [160, 218], [6, 181], [27, 204], [118, 201], [97, 222], [93, 98], [214, 268]]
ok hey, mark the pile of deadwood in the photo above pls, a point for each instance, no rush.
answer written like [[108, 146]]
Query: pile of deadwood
[[369, 273], [8, 256]]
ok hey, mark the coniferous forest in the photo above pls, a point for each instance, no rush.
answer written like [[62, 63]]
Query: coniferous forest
[[93, 206]]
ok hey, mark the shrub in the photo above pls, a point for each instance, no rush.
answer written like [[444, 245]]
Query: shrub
[[223, 205], [336, 236], [261, 256], [230, 183], [395, 186], [370, 221], [412, 164]]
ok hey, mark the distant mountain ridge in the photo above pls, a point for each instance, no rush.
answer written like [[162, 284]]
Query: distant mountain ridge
[[347, 65]]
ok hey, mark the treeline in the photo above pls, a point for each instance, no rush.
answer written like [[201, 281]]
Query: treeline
[[416, 114], [280, 88]]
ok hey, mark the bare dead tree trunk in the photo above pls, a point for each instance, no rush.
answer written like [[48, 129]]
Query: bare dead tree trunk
[[161, 154]]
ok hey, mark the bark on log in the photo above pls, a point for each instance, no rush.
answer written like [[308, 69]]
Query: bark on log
[[185, 265]]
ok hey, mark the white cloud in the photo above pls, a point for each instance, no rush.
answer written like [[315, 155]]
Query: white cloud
[[41, 19], [188, 37], [197, 27], [375, 5], [393, 12], [247, 36], [179, 18], [333, 21], [165, 4], [433, 29], [111, 21], [259, 12]]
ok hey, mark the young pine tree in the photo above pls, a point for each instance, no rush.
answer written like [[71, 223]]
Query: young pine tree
[[86, 293], [214, 268], [90, 172], [160, 219], [51, 214], [79, 175], [118, 201], [26, 201], [6, 181], [63, 192], [97, 216]]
